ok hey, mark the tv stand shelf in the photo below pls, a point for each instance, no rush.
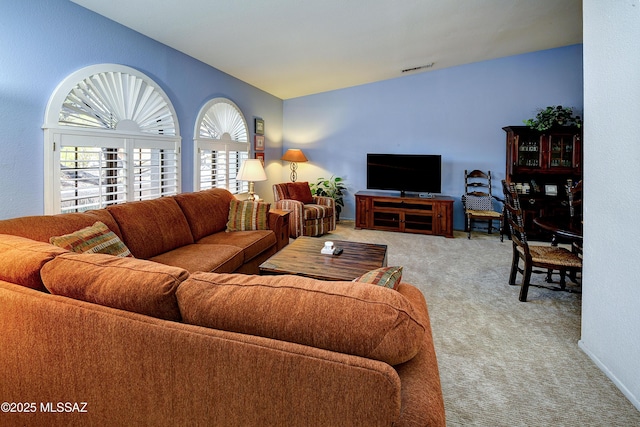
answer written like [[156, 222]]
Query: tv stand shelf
[[378, 210]]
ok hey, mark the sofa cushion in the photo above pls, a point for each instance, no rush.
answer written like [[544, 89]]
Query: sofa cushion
[[21, 260], [207, 211], [129, 284], [389, 277], [252, 243], [202, 257], [95, 239], [152, 227], [300, 191], [368, 321], [247, 215]]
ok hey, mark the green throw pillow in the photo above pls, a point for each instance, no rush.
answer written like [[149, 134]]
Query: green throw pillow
[[247, 215], [96, 239]]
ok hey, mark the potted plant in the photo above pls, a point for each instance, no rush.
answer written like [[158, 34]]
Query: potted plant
[[553, 116], [333, 187]]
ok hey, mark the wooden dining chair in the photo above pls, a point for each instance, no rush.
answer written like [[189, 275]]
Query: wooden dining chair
[[549, 259], [574, 194], [477, 201]]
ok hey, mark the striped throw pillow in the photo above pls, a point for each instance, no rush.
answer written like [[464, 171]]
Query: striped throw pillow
[[96, 239], [247, 215], [389, 277]]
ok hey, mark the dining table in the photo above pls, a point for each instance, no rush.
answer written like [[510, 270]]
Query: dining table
[[563, 227]]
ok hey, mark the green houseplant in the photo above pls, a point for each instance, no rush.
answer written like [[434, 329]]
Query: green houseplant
[[553, 116], [333, 187]]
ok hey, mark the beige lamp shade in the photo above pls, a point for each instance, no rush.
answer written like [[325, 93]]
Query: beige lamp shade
[[251, 170], [294, 156]]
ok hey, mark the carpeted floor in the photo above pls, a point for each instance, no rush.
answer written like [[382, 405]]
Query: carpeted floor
[[502, 362]]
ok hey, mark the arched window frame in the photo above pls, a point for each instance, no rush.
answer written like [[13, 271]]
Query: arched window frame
[[221, 144], [112, 135]]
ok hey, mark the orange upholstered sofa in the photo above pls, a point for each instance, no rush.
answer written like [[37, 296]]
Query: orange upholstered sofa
[[95, 339], [187, 230]]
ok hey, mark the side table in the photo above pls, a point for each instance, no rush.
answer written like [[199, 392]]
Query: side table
[[283, 238]]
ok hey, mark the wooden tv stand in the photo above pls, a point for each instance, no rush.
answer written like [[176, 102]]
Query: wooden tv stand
[[378, 210]]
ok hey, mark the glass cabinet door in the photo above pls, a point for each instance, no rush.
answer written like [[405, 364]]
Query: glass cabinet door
[[561, 151], [528, 152]]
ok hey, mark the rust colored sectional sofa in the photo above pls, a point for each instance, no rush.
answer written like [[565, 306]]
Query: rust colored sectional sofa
[[160, 339]]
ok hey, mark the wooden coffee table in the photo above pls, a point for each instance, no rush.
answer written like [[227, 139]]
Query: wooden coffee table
[[303, 258]]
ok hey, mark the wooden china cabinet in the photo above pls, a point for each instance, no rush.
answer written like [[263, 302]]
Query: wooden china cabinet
[[543, 162]]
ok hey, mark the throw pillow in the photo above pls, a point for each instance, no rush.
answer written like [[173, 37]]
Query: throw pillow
[[247, 215], [95, 239], [130, 284], [300, 191], [389, 277], [367, 321]]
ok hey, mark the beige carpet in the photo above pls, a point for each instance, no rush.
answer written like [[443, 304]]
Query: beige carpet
[[502, 362]]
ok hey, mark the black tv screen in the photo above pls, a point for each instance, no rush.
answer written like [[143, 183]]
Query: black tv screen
[[404, 172]]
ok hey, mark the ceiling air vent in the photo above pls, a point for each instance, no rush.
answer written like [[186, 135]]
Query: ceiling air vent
[[421, 67]]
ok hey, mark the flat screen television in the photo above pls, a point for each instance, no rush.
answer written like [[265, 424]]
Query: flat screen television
[[420, 173]]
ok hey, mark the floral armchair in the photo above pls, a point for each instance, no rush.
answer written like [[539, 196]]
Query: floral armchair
[[310, 215]]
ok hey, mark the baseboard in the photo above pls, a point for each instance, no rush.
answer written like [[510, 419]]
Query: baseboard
[[633, 399]]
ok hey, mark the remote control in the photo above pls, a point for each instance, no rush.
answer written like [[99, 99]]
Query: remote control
[[337, 251]]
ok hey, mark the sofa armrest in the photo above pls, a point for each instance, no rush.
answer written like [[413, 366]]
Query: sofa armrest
[[324, 201], [327, 201], [296, 215], [422, 401]]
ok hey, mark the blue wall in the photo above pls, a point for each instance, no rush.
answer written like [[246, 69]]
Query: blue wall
[[43, 41], [457, 112]]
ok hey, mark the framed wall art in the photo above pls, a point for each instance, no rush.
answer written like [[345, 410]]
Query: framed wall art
[[259, 143], [261, 157], [259, 127]]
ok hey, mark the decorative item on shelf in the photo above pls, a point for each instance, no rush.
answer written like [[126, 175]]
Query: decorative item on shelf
[[259, 125], [553, 116], [294, 156], [333, 187], [259, 143], [260, 156], [251, 170]]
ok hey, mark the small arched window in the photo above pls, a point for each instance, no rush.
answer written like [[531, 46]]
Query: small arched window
[[111, 136], [221, 144]]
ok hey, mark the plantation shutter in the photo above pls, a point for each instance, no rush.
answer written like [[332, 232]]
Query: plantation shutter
[[221, 146], [111, 136]]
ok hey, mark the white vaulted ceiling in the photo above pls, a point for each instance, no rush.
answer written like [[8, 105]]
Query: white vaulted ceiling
[[292, 48]]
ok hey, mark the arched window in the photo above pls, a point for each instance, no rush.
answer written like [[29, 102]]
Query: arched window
[[111, 136], [221, 144]]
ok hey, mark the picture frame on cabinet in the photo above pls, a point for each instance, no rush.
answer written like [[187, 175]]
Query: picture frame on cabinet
[[261, 157], [259, 142], [259, 124]]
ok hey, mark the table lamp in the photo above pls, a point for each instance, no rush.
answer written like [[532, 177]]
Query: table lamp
[[251, 170], [294, 156]]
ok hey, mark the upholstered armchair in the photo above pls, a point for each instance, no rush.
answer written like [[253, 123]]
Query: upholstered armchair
[[310, 215]]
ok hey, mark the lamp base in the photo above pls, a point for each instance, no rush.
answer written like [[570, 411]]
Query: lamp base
[[252, 194], [294, 174]]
